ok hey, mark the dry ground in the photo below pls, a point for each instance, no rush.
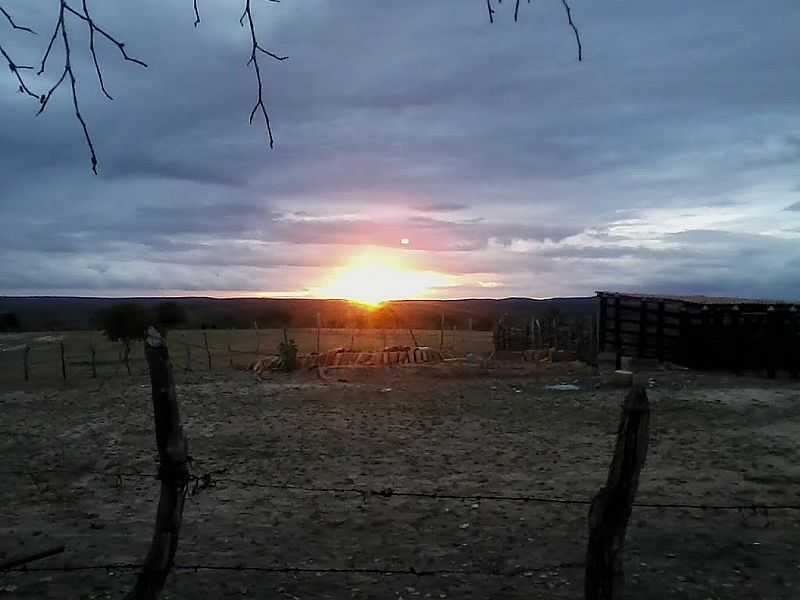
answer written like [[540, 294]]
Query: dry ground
[[459, 429]]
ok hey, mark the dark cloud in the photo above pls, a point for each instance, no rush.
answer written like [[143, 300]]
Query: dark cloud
[[660, 161]]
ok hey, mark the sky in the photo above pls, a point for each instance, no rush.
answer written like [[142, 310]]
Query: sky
[[667, 161]]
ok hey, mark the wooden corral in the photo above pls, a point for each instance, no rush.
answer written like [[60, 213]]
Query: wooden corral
[[702, 332]]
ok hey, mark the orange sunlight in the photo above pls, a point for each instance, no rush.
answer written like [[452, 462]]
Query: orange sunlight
[[377, 277]]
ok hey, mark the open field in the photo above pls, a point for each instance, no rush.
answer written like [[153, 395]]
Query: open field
[[78, 464], [246, 344]]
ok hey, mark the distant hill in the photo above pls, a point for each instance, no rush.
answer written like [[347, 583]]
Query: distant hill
[[54, 313]]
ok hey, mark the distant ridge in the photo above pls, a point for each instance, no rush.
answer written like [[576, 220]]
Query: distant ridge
[[69, 312]]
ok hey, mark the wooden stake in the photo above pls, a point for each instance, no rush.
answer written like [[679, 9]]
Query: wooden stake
[[188, 366], [208, 352], [94, 362], [63, 361], [126, 355], [26, 353], [611, 507], [319, 326], [441, 333], [173, 451], [230, 356]]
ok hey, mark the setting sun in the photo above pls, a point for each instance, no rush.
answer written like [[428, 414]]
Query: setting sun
[[374, 278]]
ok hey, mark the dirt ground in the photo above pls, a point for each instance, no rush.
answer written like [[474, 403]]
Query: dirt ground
[[450, 428]]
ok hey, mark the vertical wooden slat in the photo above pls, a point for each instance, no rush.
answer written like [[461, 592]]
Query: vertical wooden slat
[[660, 333], [63, 361], [736, 339], [602, 320], [618, 332], [26, 368], [642, 327], [705, 334], [774, 319], [685, 343]]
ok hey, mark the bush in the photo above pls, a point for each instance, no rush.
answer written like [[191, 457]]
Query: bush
[[127, 321], [170, 315], [287, 351]]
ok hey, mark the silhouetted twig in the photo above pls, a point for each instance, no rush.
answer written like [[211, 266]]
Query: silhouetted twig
[[254, 49], [567, 8], [12, 65], [575, 29], [14, 25], [61, 28]]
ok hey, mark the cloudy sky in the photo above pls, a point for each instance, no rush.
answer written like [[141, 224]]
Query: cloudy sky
[[667, 161]]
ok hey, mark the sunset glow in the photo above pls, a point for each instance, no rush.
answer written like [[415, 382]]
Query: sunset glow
[[376, 277]]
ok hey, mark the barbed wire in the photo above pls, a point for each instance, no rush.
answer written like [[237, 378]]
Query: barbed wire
[[211, 479], [312, 570]]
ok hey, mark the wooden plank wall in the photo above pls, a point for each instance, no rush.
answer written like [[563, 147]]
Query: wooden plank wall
[[737, 338]]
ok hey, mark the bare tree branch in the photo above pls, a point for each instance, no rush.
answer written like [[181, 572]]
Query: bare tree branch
[[93, 53], [13, 24], [516, 19], [256, 47], [575, 29], [196, 14], [61, 28], [15, 69], [13, 66]]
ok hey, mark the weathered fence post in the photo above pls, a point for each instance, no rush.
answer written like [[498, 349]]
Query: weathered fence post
[[63, 361], [258, 338], [319, 327], [188, 366], [126, 356], [611, 507], [618, 332], [92, 351], [441, 333], [173, 471], [26, 368], [208, 352], [230, 356]]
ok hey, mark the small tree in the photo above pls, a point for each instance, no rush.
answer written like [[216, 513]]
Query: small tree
[[9, 322], [287, 351], [170, 315], [124, 322]]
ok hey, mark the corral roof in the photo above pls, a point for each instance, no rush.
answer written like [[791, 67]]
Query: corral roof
[[698, 299]]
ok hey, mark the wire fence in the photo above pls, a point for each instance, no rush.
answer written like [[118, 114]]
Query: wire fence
[[83, 356], [211, 479]]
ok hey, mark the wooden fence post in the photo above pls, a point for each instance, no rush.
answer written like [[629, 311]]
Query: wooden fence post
[[230, 356], [618, 331], [208, 352], [611, 507], [441, 333], [26, 368], [319, 327], [93, 352], [188, 366], [63, 361], [126, 355], [173, 452]]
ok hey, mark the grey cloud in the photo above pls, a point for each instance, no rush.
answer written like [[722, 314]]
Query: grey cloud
[[499, 124]]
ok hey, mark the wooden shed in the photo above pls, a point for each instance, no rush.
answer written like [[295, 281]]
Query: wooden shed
[[702, 332]]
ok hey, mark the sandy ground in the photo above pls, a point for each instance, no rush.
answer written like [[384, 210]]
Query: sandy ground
[[447, 428]]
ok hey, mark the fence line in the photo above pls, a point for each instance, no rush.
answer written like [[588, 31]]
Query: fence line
[[210, 480]]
